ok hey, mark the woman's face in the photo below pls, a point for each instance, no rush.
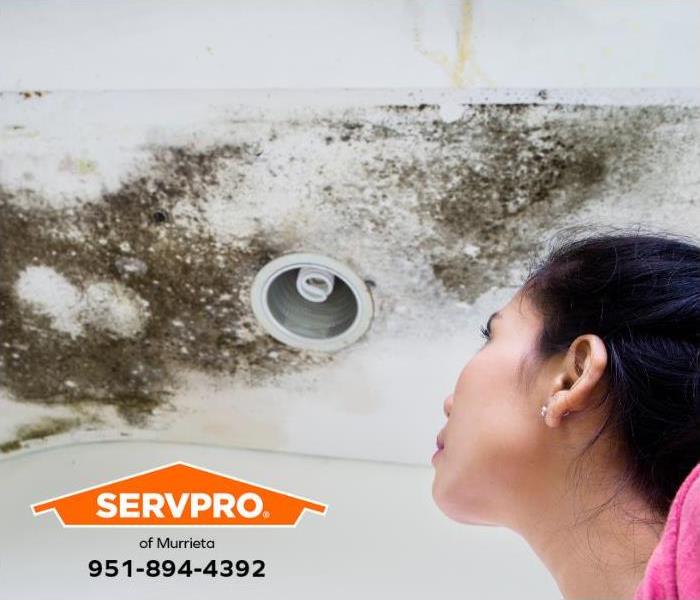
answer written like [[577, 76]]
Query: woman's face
[[494, 441]]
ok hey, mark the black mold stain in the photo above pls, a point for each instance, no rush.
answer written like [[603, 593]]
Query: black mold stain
[[40, 430], [410, 108], [32, 94], [506, 173], [354, 131], [196, 287]]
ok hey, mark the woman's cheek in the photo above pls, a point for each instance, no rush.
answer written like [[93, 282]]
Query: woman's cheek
[[490, 446]]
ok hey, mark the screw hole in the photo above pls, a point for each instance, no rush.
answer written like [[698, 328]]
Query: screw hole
[[160, 216]]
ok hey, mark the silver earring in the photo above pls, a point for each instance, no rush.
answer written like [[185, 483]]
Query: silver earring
[[543, 411]]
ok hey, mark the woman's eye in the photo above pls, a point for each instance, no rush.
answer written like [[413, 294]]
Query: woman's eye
[[486, 334]]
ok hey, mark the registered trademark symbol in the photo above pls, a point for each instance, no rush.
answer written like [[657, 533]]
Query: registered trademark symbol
[[266, 514]]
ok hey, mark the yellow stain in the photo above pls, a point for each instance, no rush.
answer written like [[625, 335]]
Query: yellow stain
[[463, 69], [84, 167]]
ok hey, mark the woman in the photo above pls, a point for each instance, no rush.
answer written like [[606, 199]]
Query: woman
[[578, 421]]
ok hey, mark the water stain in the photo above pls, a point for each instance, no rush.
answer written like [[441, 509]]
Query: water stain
[[462, 70]]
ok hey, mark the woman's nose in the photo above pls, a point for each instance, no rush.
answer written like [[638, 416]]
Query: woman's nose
[[448, 404]]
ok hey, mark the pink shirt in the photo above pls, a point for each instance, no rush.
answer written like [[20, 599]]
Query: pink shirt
[[673, 570]]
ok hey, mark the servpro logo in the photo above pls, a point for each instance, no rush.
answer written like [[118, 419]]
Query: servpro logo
[[181, 495]]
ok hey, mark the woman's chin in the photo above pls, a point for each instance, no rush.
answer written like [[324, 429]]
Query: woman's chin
[[459, 516], [457, 510]]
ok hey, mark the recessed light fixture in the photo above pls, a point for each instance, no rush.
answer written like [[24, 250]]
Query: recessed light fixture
[[311, 301]]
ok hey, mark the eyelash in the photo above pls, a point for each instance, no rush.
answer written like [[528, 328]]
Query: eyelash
[[486, 334]]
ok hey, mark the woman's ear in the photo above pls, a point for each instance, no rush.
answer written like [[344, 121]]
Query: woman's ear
[[580, 380]]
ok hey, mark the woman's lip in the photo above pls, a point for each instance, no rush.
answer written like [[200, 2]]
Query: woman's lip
[[440, 444]]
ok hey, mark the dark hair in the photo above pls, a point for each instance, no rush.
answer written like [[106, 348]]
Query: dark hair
[[640, 293]]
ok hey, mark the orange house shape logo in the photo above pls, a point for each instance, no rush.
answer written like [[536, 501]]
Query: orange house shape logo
[[179, 495]]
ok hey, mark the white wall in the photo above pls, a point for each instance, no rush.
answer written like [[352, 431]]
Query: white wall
[[159, 44]]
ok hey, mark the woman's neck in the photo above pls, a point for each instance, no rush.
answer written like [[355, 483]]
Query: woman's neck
[[593, 553]]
